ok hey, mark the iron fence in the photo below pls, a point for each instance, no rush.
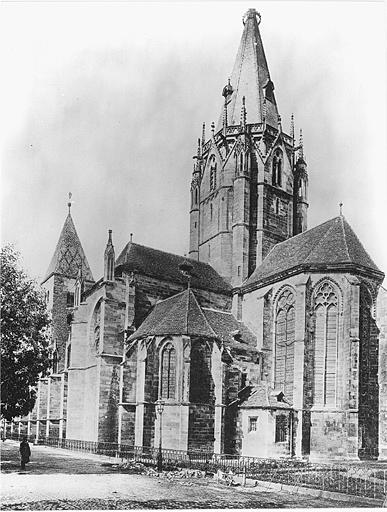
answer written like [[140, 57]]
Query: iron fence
[[349, 478]]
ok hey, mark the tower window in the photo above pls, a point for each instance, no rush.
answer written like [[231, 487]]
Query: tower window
[[277, 168], [211, 211], [196, 196], [277, 206], [168, 372]]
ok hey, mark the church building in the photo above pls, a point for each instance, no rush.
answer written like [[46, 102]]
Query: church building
[[269, 340]]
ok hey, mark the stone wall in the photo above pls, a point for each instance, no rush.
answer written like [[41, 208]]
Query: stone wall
[[381, 316]]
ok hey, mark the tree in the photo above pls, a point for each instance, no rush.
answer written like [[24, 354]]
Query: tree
[[24, 336]]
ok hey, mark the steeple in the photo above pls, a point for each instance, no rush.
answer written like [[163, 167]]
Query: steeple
[[250, 78], [69, 255]]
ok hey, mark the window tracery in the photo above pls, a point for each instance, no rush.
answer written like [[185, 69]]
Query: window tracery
[[284, 343], [325, 353], [168, 372]]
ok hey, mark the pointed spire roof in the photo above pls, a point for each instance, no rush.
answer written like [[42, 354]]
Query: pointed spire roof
[[250, 78], [69, 256], [331, 246]]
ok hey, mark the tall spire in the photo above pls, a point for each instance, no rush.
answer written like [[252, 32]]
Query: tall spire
[[69, 255], [251, 78], [109, 259]]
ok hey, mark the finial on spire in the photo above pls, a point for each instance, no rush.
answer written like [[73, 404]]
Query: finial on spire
[[70, 202], [213, 128], [110, 236], [203, 135], [279, 123], [131, 237], [243, 114], [292, 127], [251, 13], [198, 153], [341, 209]]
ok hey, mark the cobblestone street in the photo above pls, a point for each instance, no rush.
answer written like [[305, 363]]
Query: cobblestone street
[[59, 479]]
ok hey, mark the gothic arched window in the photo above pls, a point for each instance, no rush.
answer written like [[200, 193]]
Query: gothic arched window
[[168, 372], [325, 350], [196, 196], [284, 343], [277, 168]]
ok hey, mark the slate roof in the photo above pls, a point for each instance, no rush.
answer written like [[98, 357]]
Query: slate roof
[[261, 397], [164, 265], [249, 77], [330, 245], [182, 315], [69, 255]]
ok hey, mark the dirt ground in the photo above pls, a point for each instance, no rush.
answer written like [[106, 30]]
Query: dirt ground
[[60, 479]]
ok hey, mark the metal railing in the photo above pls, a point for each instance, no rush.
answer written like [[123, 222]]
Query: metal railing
[[357, 479]]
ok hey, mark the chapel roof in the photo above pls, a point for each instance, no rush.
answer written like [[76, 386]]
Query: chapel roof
[[332, 245], [164, 265], [262, 396], [249, 78], [181, 314], [69, 255]]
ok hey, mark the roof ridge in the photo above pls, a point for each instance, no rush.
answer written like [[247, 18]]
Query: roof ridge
[[344, 236], [218, 311], [202, 314]]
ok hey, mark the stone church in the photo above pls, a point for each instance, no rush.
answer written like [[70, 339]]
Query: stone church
[[263, 342]]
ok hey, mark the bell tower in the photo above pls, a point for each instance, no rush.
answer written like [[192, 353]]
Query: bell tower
[[248, 190]]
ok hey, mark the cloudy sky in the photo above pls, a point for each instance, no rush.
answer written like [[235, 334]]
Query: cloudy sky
[[106, 100]]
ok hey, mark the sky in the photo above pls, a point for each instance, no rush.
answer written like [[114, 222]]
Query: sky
[[107, 99]]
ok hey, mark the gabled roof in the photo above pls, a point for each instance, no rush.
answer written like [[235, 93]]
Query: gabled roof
[[164, 265], [69, 255], [249, 78], [332, 245], [262, 397], [182, 315]]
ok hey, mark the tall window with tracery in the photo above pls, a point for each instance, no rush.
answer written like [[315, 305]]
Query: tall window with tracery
[[168, 372], [284, 343], [325, 350]]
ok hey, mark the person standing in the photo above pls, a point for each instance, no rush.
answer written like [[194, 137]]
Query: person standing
[[25, 452]]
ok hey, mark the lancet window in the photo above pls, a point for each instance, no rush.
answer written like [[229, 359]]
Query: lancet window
[[284, 343], [168, 372], [277, 168], [325, 355]]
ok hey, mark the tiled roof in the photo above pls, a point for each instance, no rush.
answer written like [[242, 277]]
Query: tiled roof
[[164, 265], [177, 315], [69, 255], [332, 244], [262, 397], [182, 315]]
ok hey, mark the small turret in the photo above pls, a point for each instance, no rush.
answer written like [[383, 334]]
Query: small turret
[[109, 259], [300, 194]]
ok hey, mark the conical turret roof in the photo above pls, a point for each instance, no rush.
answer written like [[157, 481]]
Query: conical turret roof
[[250, 78], [69, 255]]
